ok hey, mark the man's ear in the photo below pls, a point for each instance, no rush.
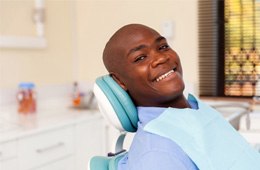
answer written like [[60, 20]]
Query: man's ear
[[117, 79]]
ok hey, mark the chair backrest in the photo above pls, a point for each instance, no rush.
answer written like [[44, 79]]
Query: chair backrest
[[118, 108], [115, 104]]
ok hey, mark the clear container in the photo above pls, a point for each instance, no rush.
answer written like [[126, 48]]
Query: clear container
[[26, 97], [76, 96]]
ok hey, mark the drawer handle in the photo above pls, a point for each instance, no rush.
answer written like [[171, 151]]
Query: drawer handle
[[49, 148]]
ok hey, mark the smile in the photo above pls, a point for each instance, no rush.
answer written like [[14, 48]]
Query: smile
[[164, 75]]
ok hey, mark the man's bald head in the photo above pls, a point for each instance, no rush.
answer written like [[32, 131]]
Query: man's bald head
[[114, 52]]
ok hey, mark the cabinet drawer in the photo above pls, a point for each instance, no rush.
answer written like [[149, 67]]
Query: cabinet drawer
[[64, 164], [46, 147], [8, 150], [9, 164]]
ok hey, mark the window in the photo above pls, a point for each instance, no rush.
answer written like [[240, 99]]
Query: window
[[229, 47]]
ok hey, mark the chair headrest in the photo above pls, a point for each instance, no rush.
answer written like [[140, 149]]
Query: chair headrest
[[115, 104]]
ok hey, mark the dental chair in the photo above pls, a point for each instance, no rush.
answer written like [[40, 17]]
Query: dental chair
[[117, 107]]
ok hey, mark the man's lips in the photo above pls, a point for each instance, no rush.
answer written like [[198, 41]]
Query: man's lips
[[161, 77]]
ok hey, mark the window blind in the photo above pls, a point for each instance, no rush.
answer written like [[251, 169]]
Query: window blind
[[208, 47], [229, 48], [242, 45]]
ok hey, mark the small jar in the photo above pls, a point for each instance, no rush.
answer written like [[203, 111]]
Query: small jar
[[76, 96], [26, 97]]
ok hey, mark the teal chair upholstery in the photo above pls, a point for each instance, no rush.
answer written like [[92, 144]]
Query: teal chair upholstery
[[117, 107], [105, 163], [99, 163]]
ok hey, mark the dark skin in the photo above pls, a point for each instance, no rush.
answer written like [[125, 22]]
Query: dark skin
[[140, 60]]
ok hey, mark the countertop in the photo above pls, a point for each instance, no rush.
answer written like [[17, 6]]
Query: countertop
[[14, 125]]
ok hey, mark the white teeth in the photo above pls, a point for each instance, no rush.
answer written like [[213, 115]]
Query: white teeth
[[164, 75]]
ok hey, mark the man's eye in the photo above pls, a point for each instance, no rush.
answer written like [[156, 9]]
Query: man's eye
[[166, 46], [139, 58]]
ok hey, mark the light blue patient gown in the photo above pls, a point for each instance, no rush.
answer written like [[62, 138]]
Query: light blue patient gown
[[209, 140]]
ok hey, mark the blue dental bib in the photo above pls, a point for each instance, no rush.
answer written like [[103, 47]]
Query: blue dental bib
[[209, 140]]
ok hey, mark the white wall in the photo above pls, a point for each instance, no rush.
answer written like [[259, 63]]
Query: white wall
[[77, 31], [51, 65]]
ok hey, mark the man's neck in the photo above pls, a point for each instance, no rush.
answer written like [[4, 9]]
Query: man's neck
[[178, 102]]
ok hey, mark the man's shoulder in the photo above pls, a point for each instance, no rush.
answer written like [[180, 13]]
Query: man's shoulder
[[151, 151], [144, 142]]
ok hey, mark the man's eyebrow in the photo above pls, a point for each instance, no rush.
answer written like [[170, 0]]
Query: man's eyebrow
[[135, 49], [157, 40]]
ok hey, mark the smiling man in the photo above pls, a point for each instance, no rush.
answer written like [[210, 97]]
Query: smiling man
[[140, 60], [174, 133]]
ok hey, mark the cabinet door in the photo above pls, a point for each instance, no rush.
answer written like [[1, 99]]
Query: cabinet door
[[90, 141], [10, 164], [8, 156], [64, 164]]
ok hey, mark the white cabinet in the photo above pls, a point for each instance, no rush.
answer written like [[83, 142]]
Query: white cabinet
[[8, 155], [43, 148], [90, 141], [67, 143]]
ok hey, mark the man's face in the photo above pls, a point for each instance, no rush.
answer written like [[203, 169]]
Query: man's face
[[152, 72]]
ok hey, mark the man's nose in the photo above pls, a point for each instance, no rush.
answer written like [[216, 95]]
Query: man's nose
[[159, 59]]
